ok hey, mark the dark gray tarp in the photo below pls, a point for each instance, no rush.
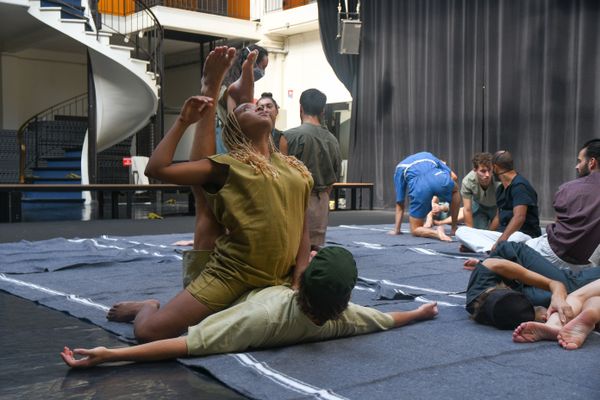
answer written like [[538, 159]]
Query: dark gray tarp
[[450, 357]]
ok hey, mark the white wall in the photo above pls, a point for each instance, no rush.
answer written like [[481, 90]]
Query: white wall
[[179, 84], [34, 80], [304, 67]]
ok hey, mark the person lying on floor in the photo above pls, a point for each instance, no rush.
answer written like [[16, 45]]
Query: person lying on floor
[[280, 231], [274, 316], [503, 289], [585, 303]]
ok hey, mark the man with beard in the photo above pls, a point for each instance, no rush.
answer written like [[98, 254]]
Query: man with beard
[[570, 241]]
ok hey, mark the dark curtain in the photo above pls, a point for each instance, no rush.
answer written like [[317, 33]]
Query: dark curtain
[[455, 77]]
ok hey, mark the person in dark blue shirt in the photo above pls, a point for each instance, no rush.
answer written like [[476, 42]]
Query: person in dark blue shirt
[[517, 218]]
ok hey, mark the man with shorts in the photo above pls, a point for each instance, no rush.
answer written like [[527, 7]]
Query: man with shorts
[[422, 176]]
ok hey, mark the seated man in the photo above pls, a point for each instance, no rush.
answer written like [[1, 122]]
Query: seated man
[[274, 316], [570, 241], [585, 303], [515, 267], [478, 191], [423, 176], [517, 216]]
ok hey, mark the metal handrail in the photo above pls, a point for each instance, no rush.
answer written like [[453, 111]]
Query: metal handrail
[[134, 23], [75, 106]]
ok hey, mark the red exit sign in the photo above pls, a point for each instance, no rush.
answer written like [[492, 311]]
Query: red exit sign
[[127, 161]]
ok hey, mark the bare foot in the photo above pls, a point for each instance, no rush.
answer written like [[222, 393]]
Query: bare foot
[[442, 234], [216, 65], [242, 90], [529, 332], [126, 311], [470, 264], [428, 311], [573, 334]]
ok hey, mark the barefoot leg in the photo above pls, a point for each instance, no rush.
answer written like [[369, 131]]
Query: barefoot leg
[[171, 320], [242, 90], [529, 332], [574, 333], [126, 311], [216, 65]]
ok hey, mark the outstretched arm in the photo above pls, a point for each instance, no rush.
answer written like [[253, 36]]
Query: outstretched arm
[[154, 351], [514, 271], [426, 311]]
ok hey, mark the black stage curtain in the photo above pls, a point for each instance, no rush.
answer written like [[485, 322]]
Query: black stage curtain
[[455, 77]]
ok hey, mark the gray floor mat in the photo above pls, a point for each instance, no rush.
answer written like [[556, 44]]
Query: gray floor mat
[[450, 357]]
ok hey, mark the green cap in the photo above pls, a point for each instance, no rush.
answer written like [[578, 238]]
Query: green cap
[[331, 274]]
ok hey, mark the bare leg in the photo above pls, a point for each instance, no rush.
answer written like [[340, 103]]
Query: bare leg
[[417, 229], [448, 220], [126, 311], [429, 220], [242, 90], [207, 230], [574, 333], [152, 323], [442, 234]]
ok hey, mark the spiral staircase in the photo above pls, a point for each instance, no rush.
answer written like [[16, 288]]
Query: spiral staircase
[[123, 39]]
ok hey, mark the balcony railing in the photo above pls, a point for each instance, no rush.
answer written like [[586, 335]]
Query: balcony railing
[[228, 8], [240, 9], [276, 5]]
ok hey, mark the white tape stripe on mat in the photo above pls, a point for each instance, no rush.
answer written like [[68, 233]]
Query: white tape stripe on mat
[[460, 296], [137, 251], [284, 380], [70, 297]]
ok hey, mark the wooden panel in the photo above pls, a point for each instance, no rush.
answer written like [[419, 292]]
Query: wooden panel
[[239, 9], [287, 4], [116, 7]]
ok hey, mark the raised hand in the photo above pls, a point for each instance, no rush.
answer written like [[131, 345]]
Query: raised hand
[[194, 108]]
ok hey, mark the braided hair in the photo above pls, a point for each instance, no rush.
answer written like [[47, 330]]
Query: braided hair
[[240, 147]]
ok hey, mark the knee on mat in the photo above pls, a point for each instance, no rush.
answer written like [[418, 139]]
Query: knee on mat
[[144, 334]]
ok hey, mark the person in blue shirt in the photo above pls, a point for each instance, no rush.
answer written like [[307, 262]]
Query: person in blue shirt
[[517, 217], [422, 176]]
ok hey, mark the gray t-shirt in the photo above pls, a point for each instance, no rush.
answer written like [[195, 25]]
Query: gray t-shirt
[[319, 150], [471, 189]]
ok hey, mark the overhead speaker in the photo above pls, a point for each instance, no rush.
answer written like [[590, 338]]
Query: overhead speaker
[[350, 36]]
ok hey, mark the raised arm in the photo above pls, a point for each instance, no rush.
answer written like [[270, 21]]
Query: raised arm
[[154, 351], [303, 256], [160, 165]]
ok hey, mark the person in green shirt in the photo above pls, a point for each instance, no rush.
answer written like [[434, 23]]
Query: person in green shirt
[[274, 316], [478, 191], [257, 195], [319, 150]]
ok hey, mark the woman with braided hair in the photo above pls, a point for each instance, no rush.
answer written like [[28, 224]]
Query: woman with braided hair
[[258, 194]]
